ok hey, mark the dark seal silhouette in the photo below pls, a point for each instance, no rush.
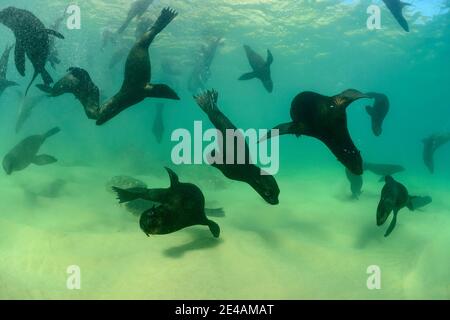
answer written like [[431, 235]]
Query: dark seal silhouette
[[26, 153], [137, 9], [395, 197], [396, 8], [32, 40], [4, 83], [261, 68], [180, 206], [430, 145], [325, 118], [378, 111], [79, 83], [264, 184], [136, 85]]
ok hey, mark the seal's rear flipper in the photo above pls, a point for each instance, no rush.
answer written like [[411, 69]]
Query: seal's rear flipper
[[166, 16], [214, 228], [392, 225], [129, 194], [55, 33], [248, 76], [43, 160], [161, 91], [218, 213], [415, 203]]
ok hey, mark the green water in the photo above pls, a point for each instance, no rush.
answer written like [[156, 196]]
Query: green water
[[317, 243]]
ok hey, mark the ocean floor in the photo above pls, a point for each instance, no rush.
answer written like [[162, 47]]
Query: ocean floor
[[316, 244]]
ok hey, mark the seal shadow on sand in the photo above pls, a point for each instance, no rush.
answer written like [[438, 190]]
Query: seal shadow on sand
[[201, 240]]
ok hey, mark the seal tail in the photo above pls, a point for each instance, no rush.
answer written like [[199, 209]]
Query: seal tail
[[214, 228], [129, 195], [52, 132]]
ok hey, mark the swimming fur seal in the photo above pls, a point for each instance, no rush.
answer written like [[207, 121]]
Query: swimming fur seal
[[265, 185], [378, 111], [325, 118], [261, 68], [32, 39], [137, 9], [180, 206], [396, 8], [158, 123], [4, 83], [430, 145], [136, 85], [25, 153], [78, 82], [395, 197]]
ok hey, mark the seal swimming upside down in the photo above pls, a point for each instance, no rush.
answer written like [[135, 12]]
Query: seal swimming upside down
[[378, 111], [430, 145], [32, 39], [136, 85], [180, 206], [4, 83], [396, 8], [78, 82], [325, 118], [264, 184], [26, 153], [395, 197], [261, 68]]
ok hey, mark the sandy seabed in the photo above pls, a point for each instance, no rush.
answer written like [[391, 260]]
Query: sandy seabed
[[317, 244]]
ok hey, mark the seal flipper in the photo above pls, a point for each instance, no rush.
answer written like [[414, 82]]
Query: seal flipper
[[415, 202], [283, 129], [248, 76], [269, 57], [161, 91], [129, 195], [52, 132], [218, 212], [392, 225], [174, 180], [19, 58], [45, 88], [214, 228], [54, 33], [43, 159]]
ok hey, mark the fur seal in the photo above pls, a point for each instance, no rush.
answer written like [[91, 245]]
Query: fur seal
[[32, 39], [356, 183], [137, 9], [261, 68], [395, 197], [265, 185], [396, 8], [25, 153], [136, 85], [378, 111], [158, 123], [4, 83], [180, 206], [430, 145], [202, 68], [78, 82], [325, 118]]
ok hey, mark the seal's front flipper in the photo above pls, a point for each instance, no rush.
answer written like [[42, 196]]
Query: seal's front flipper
[[218, 213], [43, 160], [269, 57], [19, 58], [129, 194], [248, 76], [166, 16], [214, 228], [161, 91], [392, 225], [174, 180], [415, 203], [282, 129], [55, 33]]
